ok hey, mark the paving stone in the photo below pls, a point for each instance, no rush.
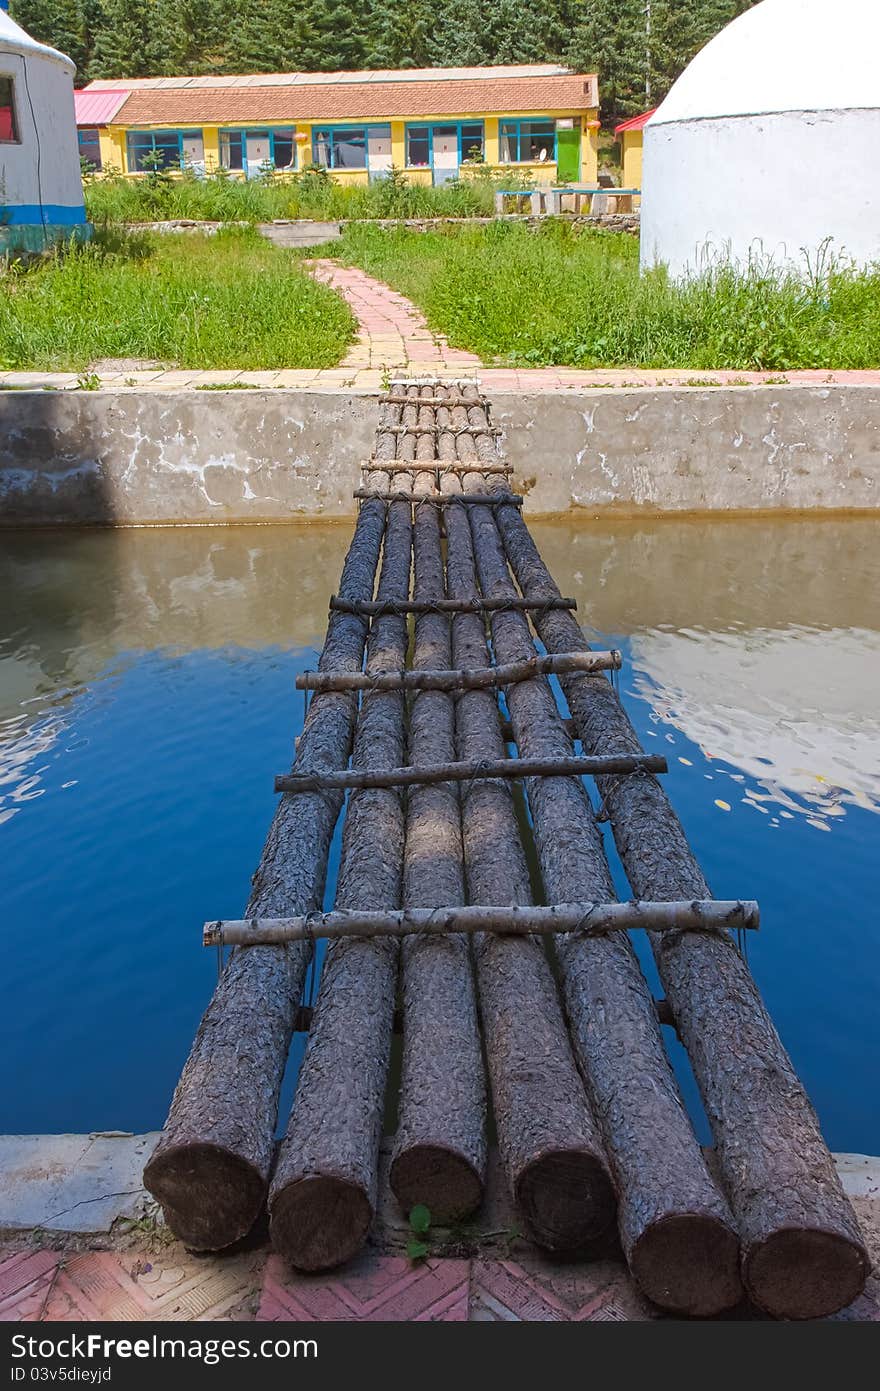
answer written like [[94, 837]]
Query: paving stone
[[180, 1288], [71, 1183], [372, 1288]]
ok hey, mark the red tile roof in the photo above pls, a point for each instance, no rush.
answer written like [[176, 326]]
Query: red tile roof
[[635, 122], [357, 101], [98, 108]]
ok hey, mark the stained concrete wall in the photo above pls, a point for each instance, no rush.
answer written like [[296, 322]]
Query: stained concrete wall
[[135, 458]]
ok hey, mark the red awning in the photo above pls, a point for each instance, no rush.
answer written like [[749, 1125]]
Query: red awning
[[635, 122], [98, 108]]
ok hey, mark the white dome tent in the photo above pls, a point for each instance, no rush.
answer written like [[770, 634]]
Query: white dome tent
[[41, 196], [766, 146]]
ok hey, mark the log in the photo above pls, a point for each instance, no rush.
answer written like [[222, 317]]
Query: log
[[514, 919], [675, 1227], [439, 1155], [324, 1189], [452, 680], [803, 1253], [469, 771], [210, 1168], [472, 605], [485, 499], [434, 429], [435, 466]]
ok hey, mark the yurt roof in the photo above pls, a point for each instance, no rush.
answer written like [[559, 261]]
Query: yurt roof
[[13, 39], [783, 55]]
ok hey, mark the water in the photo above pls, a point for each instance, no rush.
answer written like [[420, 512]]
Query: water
[[147, 699]]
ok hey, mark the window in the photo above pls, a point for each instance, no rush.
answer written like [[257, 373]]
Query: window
[[283, 149], [90, 147], [420, 142], [418, 147], [524, 142], [471, 141], [232, 149], [157, 149], [340, 149], [8, 123]]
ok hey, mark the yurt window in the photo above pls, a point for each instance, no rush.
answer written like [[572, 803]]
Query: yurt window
[[8, 124]]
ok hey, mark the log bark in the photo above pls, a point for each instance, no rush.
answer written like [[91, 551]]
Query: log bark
[[210, 1168], [439, 1156], [548, 1139], [471, 605], [675, 1227], [514, 919], [323, 1194], [803, 1253], [470, 770], [452, 679]]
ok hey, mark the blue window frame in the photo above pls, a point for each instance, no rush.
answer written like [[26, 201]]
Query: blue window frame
[[282, 147], [527, 142], [90, 146], [167, 144], [420, 142], [340, 147]]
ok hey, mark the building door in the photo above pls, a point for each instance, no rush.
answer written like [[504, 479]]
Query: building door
[[379, 151], [445, 154], [568, 153]]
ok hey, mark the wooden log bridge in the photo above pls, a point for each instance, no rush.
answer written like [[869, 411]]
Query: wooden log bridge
[[593, 919], [470, 771], [459, 680], [475, 912]]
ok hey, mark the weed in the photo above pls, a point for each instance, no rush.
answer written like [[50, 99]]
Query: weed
[[419, 1243], [88, 381], [228, 386]]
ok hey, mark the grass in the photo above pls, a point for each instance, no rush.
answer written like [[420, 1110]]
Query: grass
[[563, 297], [228, 301], [312, 194]]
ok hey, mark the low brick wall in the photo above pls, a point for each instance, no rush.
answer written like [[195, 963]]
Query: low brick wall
[[166, 456]]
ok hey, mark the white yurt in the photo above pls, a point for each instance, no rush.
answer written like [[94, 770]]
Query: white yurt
[[767, 145], [41, 195]]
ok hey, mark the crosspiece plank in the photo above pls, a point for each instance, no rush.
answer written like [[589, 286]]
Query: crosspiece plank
[[472, 499], [373, 608], [320, 779], [590, 919], [431, 466], [508, 675]]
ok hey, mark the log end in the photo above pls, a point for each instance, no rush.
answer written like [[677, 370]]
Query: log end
[[319, 1222], [442, 1179], [566, 1200], [804, 1273], [689, 1264], [211, 1198]]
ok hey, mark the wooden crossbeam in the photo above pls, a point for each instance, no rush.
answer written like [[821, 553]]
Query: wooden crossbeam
[[589, 919], [432, 466], [373, 608], [560, 664], [395, 399], [442, 499], [439, 429], [470, 770]]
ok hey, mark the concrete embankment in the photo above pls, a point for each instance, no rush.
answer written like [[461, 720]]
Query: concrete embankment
[[131, 457]]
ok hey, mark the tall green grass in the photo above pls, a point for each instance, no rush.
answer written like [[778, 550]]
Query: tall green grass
[[312, 194], [227, 301], [562, 296]]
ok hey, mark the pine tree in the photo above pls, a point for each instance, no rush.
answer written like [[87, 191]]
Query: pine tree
[[59, 23], [609, 39], [400, 31], [129, 42]]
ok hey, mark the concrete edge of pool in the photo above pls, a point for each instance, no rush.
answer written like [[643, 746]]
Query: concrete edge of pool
[[80, 1240], [132, 457]]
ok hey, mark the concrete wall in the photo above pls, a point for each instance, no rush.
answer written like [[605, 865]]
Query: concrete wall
[[135, 458]]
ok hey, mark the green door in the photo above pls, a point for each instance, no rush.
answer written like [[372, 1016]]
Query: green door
[[568, 155]]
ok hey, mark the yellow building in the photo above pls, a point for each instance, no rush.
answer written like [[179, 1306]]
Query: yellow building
[[435, 124], [631, 136]]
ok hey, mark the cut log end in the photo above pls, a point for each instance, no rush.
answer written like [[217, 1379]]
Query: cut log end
[[441, 1179], [566, 1200], [689, 1264], [211, 1197], [319, 1222], [805, 1273]]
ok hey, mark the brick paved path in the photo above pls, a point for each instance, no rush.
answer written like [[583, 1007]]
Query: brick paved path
[[173, 1285], [391, 331]]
